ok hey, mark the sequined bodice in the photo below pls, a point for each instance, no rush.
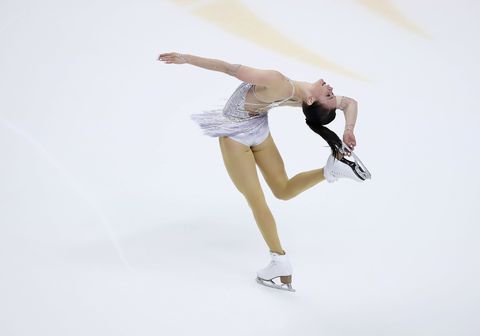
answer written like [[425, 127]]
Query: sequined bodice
[[235, 107]]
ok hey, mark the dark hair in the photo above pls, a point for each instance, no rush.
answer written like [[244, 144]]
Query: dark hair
[[316, 116]]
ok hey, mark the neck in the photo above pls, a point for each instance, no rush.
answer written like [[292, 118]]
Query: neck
[[302, 90]]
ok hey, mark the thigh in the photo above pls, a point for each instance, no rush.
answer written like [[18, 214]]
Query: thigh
[[271, 165], [241, 168]]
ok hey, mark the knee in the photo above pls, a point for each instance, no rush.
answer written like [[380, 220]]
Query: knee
[[282, 194]]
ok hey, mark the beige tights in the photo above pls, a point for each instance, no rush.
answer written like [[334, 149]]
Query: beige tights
[[240, 162]]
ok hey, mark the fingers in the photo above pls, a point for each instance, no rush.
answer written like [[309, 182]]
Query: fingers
[[172, 58], [167, 60], [164, 57], [351, 147], [169, 57]]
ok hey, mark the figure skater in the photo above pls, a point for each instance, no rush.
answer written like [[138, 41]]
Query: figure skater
[[245, 140]]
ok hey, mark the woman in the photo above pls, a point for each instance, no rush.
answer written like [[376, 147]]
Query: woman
[[245, 140]]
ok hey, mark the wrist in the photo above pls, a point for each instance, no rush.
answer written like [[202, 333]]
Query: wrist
[[185, 57], [348, 128]]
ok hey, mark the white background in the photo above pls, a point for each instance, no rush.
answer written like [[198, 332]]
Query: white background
[[117, 216]]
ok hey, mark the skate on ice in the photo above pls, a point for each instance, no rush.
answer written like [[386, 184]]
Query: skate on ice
[[279, 267]]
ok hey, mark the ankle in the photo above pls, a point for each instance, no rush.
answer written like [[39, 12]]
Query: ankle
[[281, 252]]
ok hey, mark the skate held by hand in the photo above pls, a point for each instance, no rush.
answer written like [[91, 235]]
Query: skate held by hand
[[349, 139]]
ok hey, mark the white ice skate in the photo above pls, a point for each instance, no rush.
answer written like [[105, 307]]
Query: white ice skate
[[279, 267], [343, 168]]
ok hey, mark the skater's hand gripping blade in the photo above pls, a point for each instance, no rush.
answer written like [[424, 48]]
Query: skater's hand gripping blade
[[360, 168], [272, 284]]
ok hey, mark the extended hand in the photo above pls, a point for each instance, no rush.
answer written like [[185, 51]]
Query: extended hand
[[172, 58]]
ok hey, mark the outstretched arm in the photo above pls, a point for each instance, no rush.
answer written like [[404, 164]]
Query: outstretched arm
[[242, 72], [349, 108]]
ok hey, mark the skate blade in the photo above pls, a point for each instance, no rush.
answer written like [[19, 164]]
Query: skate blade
[[271, 284], [360, 168], [364, 171]]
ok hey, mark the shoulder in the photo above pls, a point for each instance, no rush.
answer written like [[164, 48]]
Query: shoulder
[[260, 77]]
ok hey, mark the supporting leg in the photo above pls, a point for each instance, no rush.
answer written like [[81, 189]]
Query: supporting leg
[[241, 168]]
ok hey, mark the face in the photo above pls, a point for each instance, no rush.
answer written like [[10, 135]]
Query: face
[[323, 93]]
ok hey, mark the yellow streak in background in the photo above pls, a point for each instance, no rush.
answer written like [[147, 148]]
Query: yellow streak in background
[[236, 18], [388, 10]]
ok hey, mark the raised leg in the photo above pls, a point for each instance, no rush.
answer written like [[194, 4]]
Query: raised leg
[[271, 165]]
